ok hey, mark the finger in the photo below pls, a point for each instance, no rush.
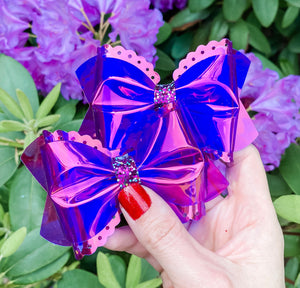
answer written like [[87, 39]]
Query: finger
[[123, 239], [160, 231], [167, 283], [246, 173]]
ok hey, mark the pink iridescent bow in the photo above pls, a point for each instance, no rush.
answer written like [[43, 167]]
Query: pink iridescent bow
[[165, 137], [83, 181], [127, 105]]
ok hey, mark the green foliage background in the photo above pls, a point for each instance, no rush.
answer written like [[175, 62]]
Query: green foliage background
[[269, 28]]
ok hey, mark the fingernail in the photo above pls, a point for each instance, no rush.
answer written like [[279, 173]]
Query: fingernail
[[134, 200]]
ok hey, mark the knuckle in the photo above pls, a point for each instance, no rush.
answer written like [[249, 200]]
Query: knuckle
[[160, 233]]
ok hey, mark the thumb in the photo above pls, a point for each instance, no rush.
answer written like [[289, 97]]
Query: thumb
[[160, 231]]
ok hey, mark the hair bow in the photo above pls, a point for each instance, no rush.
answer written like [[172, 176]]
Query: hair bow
[[83, 180], [127, 104]]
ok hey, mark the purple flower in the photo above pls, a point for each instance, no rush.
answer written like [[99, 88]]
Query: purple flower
[[11, 29], [66, 35], [137, 26], [257, 81], [22, 9], [165, 5], [107, 6], [55, 28], [277, 104], [268, 143]]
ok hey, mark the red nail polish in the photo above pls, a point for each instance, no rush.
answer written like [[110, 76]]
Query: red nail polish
[[134, 200]]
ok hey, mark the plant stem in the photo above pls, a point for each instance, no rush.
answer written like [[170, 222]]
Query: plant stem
[[291, 233], [89, 26], [289, 281], [11, 144]]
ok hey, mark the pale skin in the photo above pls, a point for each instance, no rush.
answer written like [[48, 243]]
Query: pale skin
[[238, 243]]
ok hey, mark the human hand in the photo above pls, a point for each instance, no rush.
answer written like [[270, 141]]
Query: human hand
[[238, 243]]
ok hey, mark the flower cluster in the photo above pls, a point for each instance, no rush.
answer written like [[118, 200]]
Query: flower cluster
[[276, 104], [52, 38], [165, 5]]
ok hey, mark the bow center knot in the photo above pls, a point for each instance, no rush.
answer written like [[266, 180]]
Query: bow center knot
[[165, 94], [125, 170]]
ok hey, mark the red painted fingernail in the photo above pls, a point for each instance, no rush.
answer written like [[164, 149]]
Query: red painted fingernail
[[134, 200]]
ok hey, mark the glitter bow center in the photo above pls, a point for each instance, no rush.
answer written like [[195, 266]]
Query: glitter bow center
[[165, 94], [125, 170]]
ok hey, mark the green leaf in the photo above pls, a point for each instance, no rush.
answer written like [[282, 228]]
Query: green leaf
[[294, 44], [291, 245], [11, 134], [133, 272], [67, 113], [32, 241], [150, 283], [13, 242], [292, 58], [265, 11], [148, 272], [26, 201], [29, 138], [234, 9], [297, 282], [290, 167], [291, 268], [2, 212], [79, 279], [200, 37], [288, 207], [258, 40], [48, 102], [4, 195], [47, 120], [12, 76], [289, 17], [163, 33], [34, 253], [181, 45], [286, 67], [11, 125], [278, 187], [8, 165], [10, 104], [251, 18], [218, 29], [198, 5], [25, 104], [6, 221], [73, 125], [239, 35], [2, 232], [44, 272], [186, 16], [105, 274], [119, 267], [268, 64], [295, 3], [164, 62]]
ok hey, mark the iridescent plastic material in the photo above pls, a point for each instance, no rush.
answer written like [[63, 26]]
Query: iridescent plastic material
[[164, 136], [123, 95], [83, 180]]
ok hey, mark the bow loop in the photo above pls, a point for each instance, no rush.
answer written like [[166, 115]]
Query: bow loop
[[205, 98], [83, 180]]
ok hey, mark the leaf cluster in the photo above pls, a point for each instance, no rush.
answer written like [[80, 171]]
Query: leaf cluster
[[269, 28]]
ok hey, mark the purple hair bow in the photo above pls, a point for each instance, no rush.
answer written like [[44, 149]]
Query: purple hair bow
[[83, 180], [162, 136], [127, 104]]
